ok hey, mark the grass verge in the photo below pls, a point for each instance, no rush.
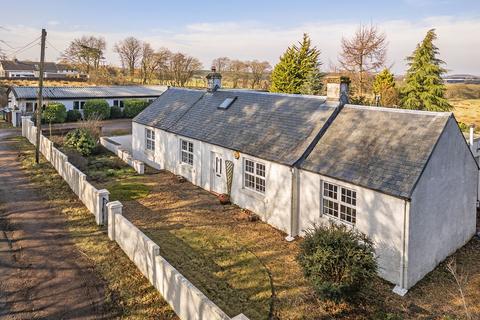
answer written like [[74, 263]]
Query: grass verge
[[130, 295], [5, 125]]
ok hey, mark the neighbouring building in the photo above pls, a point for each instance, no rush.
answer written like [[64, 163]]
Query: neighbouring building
[[23, 100], [13, 69], [405, 178]]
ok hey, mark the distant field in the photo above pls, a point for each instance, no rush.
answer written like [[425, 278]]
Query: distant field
[[467, 111]]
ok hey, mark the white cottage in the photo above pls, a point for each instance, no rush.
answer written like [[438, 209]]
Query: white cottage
[[23, 100], [405, 178]]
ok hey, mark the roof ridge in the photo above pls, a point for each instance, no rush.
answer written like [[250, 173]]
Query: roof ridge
[[399, 110], [294, 95]]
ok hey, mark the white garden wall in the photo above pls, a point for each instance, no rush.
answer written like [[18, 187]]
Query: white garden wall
[[188, 302], [92, 198], [122, 151]]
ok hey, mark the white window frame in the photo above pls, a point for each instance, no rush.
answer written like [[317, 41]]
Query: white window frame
[[252, 180], [149, 140], [189, 154], [341, 200], [81, 103]]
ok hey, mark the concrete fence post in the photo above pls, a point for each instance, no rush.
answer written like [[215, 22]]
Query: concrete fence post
[[241, 316], [113, 208], [25, 125], [139, 166], [101, 217]]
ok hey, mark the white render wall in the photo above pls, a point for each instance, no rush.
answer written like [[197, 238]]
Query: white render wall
[[443, 210], [379, 216], [273, 207]]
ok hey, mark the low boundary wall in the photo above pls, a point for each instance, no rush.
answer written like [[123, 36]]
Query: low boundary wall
[[188, 302], [91, 197], [123, 154]]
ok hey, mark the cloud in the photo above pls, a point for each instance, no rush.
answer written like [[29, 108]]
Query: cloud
[[457, 40], [53, 23]]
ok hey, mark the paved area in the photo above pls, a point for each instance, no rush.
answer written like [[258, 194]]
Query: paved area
[[42, 273]]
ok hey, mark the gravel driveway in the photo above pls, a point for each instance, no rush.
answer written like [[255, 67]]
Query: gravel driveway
[[42, 273]]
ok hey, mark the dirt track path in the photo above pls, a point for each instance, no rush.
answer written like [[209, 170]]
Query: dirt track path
[[42, 274]]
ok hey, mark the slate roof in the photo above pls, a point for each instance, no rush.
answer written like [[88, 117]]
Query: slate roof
[[16, 65], [378, 148], [275, 127], [89, 92]]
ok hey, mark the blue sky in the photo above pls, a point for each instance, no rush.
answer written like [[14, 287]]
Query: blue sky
[[248, 29]]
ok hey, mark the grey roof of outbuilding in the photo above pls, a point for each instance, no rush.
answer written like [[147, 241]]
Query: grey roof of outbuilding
[[378, 148], [16, 65], [89, 92], [275, 127]]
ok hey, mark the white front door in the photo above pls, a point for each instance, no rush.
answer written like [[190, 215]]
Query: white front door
[[218, 176]]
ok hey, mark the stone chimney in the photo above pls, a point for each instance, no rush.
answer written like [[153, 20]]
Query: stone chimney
[[337, 89], [214, 80]]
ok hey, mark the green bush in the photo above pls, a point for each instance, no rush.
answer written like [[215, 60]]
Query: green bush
[[338, 261], [54, 113], [73, 115], [116, 112], [96, 109], [132, 107], [81, 140]]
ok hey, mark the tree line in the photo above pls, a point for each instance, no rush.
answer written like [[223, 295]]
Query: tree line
[[362, 58]]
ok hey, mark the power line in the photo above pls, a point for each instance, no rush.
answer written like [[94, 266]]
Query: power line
[[25, 47], [11, 55], [53, 47]]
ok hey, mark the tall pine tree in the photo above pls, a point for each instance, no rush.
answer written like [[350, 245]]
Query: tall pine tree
[[298, 70], [424, 88]]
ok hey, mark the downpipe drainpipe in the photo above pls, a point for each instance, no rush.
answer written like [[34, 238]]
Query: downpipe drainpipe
[[401, 288], [293, 232]]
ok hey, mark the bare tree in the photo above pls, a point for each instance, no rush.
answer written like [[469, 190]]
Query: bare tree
[[237, 70], [85, 52], [148, 64], [461, 282], [366, 52], [130, 52], [181, 68], [162, 58], [258, 69], [221, 63]]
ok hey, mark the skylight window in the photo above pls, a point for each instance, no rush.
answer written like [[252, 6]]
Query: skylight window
[[227, 103]]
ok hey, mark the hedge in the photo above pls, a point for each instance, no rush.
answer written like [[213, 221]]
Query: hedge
[[96, 108], [134, 106]]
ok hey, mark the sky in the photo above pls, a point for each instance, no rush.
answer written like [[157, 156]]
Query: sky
[[247, 29]]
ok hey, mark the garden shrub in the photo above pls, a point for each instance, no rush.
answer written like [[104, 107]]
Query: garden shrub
[[96, 109], [116, 112], [54, 113], [73, 115], [132, 107], [81, 140], [338, 261]]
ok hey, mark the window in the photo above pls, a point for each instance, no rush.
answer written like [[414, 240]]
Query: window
[[29, 107], [218, 166], [118, 103], [149, 139], [254, 175], [78, 105], [186, 152], [339, 202]]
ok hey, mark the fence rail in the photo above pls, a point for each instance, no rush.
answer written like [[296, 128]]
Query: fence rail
[[188, 302]]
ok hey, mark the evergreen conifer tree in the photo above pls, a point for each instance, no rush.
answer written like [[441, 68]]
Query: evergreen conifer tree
[[424, 88], [384, 86], [298, 70]]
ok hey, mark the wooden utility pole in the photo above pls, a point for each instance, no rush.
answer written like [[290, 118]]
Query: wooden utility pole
[[40, 96]]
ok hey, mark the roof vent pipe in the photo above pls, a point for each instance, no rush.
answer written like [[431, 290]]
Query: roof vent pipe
[[214, 80]]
